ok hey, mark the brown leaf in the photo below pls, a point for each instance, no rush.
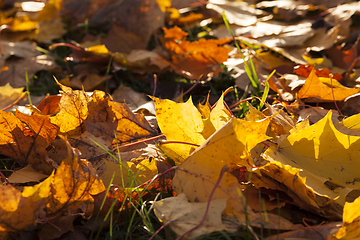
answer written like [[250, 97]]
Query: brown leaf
[[25, 138], [16, 212], [49, 105], [74, 183], [114, 121]]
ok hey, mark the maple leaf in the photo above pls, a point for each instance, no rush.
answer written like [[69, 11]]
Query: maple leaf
[[194, 59], [350, 125], [350, 229], [73, 184], [275, 175], [305, 70], [16, 211], [49, 105], [315, 90], [179, 122], [322, 145], [183, 122], [25, 138], [230, 146], [8, 95], [99, 116]]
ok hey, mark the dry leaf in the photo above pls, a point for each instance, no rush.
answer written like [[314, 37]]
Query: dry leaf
[[25, 138], [193, 59], [182, 215], [315, 90]]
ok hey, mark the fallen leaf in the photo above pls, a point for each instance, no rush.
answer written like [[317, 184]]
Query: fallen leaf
[[73, 184], [315, 90], [127, 95], [305, 70], [350, 125], [193, 59], [218, 117], [334, 159], [350, 228], [49, 105], [240, 13], [25, 138], [26, 175], [17, 211], [182, 215], [8, 95], [180, 122], [229, 146], [129, 31], [101, 117]]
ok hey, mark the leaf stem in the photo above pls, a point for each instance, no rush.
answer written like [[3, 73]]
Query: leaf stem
[[16, 101], [192, 144], [332, 91], [222, 172]]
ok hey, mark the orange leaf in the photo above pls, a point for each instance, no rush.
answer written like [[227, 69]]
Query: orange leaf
[[74, 183], [16, 212], [50, 105], [194, 58], [99, 116], [315, 90], [305, 70], [25, 138]]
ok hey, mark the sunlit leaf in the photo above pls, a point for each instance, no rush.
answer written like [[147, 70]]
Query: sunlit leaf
[[316, 90]]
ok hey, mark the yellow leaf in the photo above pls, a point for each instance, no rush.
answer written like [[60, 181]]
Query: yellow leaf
[[275, 175], [183, 123], [328, 200], [73, 109], [351, 217], [219, 115], [25, 138], [164, 4], [16, 212], [230, 146], [205, 108], [19, 210], [50, 10], [145, 170], [23, 24], [326, 152], [350, 125], [100, 49], [180, 122], [8, 94]]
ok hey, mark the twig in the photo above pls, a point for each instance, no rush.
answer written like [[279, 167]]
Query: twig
[[16, 101], [222, 172]]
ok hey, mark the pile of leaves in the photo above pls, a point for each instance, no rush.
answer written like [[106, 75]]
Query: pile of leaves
[[272, 152]]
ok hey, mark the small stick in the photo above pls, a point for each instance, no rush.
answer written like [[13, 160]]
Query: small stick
[[332, 90], [222, 172], [16, 101]]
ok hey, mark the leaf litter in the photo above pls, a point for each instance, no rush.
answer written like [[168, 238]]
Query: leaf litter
[[275, 169]]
